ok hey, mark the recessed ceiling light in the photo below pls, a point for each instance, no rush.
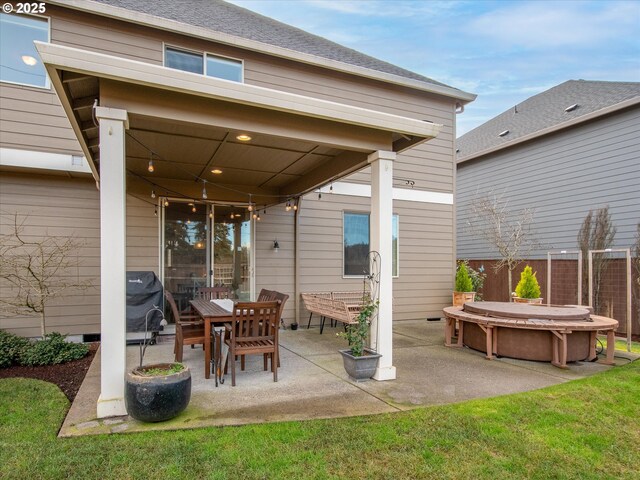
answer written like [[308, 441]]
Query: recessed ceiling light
[[216, 171], [243, 137], [29, 60]]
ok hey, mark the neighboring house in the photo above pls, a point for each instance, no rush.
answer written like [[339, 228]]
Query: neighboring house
[[195, 111], [563, 152]]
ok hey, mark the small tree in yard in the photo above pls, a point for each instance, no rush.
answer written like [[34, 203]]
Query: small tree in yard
[[34, 271], [510, 234], [596, 233], [528, 286], [463, 280]]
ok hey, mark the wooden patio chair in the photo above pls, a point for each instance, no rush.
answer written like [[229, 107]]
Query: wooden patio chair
[[213, 293], [254, 331], [189, 328]]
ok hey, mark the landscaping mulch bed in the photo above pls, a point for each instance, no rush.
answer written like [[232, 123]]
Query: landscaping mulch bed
[[68, 376]]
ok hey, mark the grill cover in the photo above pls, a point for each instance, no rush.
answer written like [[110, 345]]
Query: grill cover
[[144, 290]]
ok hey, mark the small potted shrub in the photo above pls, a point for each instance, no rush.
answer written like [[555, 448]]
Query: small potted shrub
[[359, 361], [463, 291], [528, 289]]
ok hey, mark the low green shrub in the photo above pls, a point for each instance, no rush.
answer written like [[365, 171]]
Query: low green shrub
[[10, 348], [52, 350], [528, 286], [463, 281]]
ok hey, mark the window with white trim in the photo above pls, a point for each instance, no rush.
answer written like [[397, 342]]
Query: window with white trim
[[19, 60], [204, 64], [356, 241]]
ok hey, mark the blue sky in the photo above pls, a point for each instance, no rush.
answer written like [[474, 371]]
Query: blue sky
[[504, 51]]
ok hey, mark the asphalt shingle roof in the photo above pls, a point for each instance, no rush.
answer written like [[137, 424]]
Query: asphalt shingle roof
[[542, 111], [219, 16]]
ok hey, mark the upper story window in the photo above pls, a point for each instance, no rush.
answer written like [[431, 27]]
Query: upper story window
[[19, 60], [204, 64], [356, 244]]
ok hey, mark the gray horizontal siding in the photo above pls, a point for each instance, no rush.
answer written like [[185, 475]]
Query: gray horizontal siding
[[561, 176]]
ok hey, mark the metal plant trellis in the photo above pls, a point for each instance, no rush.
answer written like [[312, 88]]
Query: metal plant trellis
[[372, 280], [565, 252], [627, 253]]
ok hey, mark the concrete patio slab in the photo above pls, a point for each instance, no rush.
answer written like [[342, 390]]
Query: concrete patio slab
[[313, 384]]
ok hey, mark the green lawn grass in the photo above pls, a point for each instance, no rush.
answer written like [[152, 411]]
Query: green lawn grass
[[622, 345], [586, 429]]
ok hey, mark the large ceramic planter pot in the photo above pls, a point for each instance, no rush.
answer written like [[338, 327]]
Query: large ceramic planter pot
[[460, 298], [531, 301], [360, 368], [157, 398]]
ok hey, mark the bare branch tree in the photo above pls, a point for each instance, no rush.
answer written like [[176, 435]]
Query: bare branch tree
[[32, 272], [510, 234], [596, 233]]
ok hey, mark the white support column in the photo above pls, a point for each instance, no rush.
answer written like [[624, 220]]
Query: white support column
[[113, 123], [381, 241]]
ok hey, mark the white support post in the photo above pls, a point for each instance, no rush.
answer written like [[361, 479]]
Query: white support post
[[381, 241], [113, 123]]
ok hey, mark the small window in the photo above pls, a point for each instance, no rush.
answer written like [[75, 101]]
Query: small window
[[356, 244], [20, 62], [182, 60], [225, 68]]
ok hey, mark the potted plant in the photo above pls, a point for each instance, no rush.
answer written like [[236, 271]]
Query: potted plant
[[158, 392], [463, 291], [359, 361], [528, 289]]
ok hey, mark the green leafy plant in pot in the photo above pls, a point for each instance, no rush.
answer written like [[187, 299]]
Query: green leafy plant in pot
[[528, 289], [463, 291], [360, 362]]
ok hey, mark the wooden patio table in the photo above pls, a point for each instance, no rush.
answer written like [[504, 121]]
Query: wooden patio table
[[211, 313]]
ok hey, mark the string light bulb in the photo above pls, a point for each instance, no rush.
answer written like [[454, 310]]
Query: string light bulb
[[193, 209], [258, 217], [295, 204], [255, 215], [151, 168], [155, 211], [250, 207], [166, 202], [331, 188], [231, 216], [204, 190], [288, 207], [153, 194], [210, 213], [319, 195]]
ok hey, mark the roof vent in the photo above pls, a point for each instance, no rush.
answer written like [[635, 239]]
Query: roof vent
[[503, 134], [571, 108]]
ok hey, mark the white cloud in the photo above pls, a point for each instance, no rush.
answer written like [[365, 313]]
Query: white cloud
[[558, 24], [385, 8]]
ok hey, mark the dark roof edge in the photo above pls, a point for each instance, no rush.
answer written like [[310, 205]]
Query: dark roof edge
[[133, 16], [554, 128]]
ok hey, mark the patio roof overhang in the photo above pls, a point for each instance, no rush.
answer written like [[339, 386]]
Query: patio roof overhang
[[125, 113], [190, 123]]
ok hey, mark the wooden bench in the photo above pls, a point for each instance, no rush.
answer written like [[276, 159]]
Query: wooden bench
[[339, 306]]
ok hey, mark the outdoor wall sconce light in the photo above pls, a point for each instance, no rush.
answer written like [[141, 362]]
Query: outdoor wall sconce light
[[276, 246]]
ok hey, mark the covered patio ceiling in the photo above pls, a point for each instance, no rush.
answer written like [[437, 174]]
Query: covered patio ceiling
[[188, 125]]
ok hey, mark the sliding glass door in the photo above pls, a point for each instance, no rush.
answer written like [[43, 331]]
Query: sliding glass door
[[192, 257], [232, 250]]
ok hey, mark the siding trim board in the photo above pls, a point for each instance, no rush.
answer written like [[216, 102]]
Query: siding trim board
[[10, 157], [364, 190]]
